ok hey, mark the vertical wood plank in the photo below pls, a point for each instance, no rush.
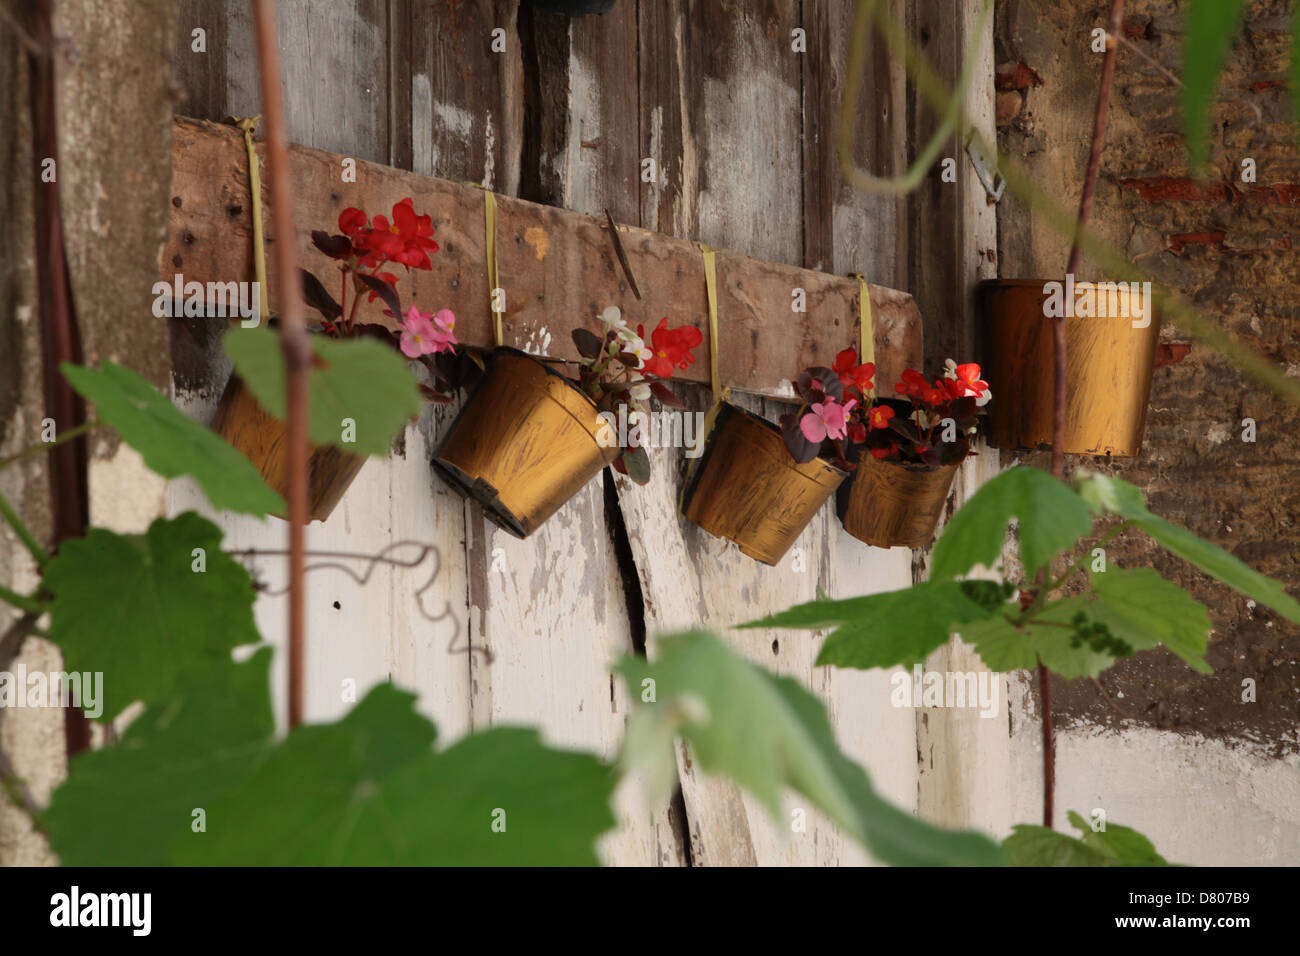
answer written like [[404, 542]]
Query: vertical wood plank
[[963, 757], [338, 64], [721, 115]]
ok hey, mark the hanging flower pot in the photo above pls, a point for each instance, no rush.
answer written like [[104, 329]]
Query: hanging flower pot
[[524, 444], [263, 440], [747, 488], [891, 504], [1111, 331], [363, 249], [528, 439]]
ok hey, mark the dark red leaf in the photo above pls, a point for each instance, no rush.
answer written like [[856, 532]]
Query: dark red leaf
[[665, 395], [588, 343], [315, 295], [385, 291], [336, 247], [799, 447]]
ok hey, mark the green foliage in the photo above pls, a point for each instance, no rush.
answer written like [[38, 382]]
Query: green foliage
[[131, 804], [1115, 846], [1051, 518], [170, 443], [360, 379], [768, 733], [897, 627], [1211, 26], [1113, 495], [133, 608], [368, 791]]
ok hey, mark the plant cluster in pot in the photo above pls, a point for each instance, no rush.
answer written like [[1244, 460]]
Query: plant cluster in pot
[[365, 249], [904, 451], [759, 484], [529, 438]]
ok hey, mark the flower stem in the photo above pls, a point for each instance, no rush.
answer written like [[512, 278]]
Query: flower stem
[[44, 446], [39, 554], [23, 602]]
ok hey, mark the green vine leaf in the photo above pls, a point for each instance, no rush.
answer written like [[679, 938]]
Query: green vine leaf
[[897, 627], [1047, 638], [1051, 516], [1115, 846], [359, 379], [170, 443], [368, 791], [1211, 27], [141, 609], [132, 803], [1143, 609], [767, 733], [1104, 494]]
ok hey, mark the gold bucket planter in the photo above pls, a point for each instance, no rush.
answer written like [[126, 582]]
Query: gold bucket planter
[[747, 488], [524, 444], [890, 504], [1109, 366], [263, 440]]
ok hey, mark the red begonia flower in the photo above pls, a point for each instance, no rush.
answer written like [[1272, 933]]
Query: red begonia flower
[[671, 347], [878, 416], [851, 374]]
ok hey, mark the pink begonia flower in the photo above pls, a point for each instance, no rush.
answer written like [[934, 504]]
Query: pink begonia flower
[[424, 333], [827, 420]]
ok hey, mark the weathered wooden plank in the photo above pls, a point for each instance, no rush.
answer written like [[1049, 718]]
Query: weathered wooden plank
[[336, 72], [964, 759], [465, 97], [557, 267]]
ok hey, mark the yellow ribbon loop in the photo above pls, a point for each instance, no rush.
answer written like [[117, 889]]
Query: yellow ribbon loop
[[720, 392], [490, 245], [866, 334], [249, 126]]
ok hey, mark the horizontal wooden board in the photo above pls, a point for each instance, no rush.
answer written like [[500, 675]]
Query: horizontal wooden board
[[558, 268]]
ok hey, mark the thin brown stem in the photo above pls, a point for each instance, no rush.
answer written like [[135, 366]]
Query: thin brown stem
[[294, 341]]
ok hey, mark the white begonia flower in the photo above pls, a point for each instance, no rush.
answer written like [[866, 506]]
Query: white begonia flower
[[949, 368], [613, 317], [640, 392], [984, 398]]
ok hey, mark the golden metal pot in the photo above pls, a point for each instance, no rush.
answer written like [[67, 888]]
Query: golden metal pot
[[746, 487], [889, 504], [1109, 364], [263, 440], [524, 444]]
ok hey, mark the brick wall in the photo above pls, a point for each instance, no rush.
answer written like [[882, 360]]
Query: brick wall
[[1228, 246]]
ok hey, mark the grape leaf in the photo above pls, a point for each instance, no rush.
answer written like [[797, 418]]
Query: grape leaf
[[133, 607], [170, 443], [367, 790], [882, 630], [1051, 516], [358, 379], [1211, 26], [1004, 646], [130, 803], [767, 733], [1113, 495], [1142, 608], [1115, 846]]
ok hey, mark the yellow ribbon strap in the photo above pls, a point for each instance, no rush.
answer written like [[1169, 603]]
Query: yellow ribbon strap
[[720, 392], [490, 243], [866, 334], [249, 126]]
